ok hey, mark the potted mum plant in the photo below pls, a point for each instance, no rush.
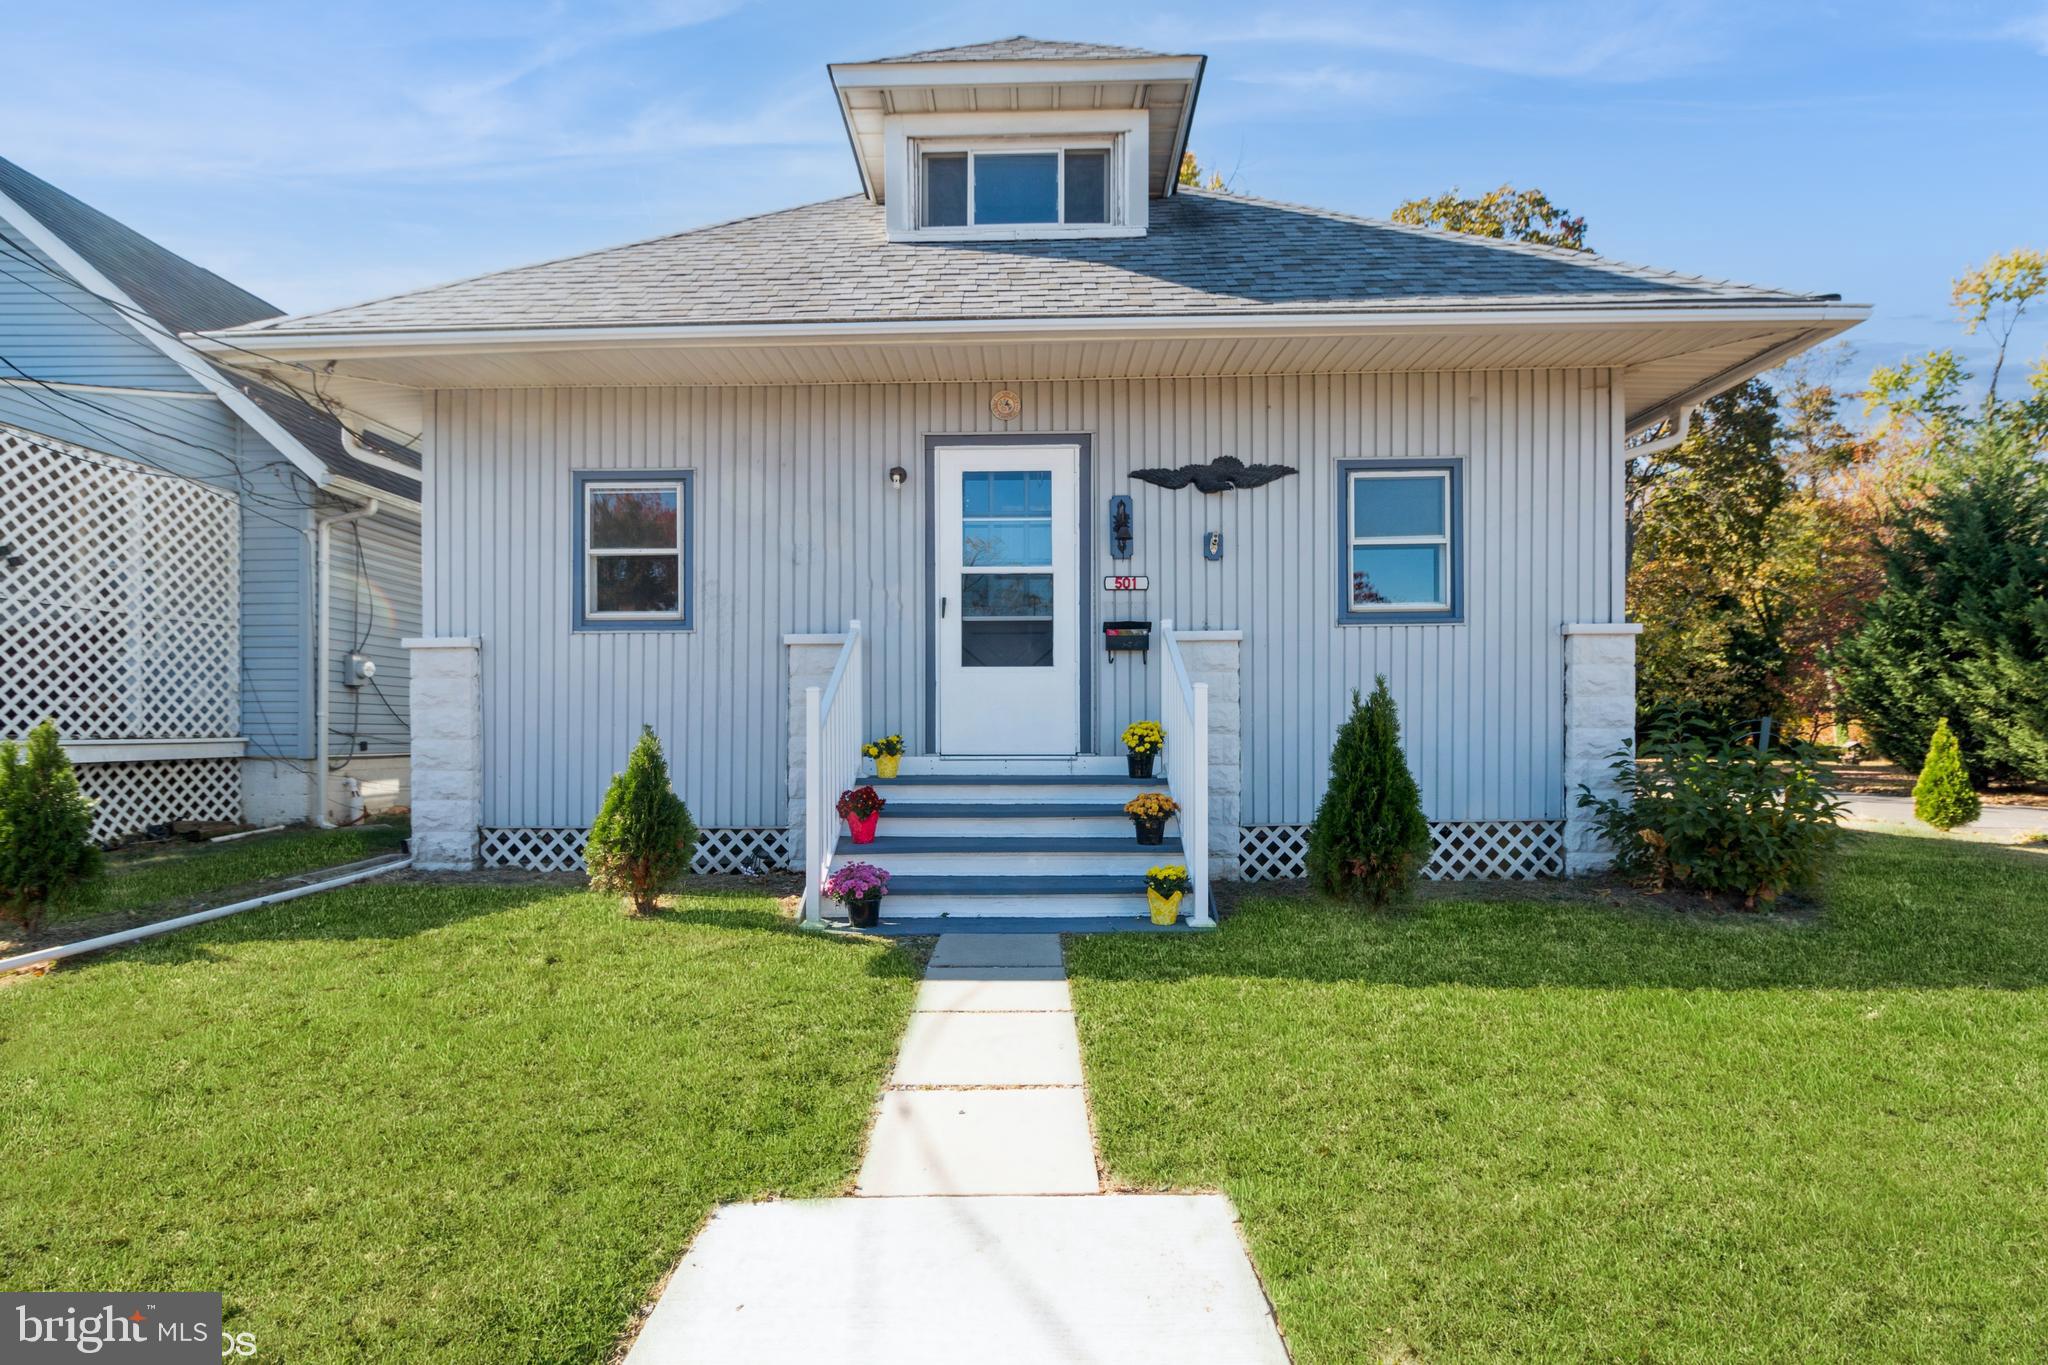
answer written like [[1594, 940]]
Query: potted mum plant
[[1144, 739], [1148, 811], [1164, 886], [860, 808], [860, 888], [887, 753]]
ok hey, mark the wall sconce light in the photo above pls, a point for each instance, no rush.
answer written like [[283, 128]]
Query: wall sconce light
[[897, 476]]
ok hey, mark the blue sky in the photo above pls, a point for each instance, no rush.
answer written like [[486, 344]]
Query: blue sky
[[319, 156]]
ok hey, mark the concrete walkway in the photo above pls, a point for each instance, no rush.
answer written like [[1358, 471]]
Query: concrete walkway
[[979, 1230]]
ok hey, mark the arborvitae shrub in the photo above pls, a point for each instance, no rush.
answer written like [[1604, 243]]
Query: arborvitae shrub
[[1370, 838], [47, 857], [644, 836], [1943, 796]]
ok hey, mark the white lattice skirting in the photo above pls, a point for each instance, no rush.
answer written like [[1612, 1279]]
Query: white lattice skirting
[[561, 850], [1466, 850], [130, 797], [122, 620]]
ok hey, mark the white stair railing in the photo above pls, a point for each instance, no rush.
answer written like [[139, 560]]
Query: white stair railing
[[832, 740], [1184, 714]]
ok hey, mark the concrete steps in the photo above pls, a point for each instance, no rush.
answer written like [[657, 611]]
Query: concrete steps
[[970, 842]]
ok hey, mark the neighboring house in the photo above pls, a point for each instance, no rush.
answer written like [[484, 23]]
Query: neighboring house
[[664, 481], [164, 592]]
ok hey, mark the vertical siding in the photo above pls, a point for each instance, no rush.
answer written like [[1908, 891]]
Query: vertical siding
[[277, 606], [798, 530], [375, 603]]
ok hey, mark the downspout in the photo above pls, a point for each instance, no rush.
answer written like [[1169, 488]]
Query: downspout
[[323, 653], [1664, 443]]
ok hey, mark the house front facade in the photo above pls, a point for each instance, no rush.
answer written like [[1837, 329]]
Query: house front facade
[[1022, 444]]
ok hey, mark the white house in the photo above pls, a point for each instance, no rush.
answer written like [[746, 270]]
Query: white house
[[894, 463]]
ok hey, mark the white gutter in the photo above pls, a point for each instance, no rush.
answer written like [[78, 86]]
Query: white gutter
[[165, 926], [1664, 443], [323, 652], [179, 353], [423, 342]]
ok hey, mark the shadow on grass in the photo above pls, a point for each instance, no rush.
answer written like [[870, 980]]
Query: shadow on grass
[[1897, 912]]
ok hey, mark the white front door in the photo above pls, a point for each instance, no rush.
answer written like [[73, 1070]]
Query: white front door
[[1008, 589]]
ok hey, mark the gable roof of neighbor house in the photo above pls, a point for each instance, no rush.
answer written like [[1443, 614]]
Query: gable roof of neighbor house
[[1207, 254], [184, 297]]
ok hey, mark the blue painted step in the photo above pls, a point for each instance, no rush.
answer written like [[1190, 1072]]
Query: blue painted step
[[905, 809], [1017, 886], [965, 779], [956, 843]]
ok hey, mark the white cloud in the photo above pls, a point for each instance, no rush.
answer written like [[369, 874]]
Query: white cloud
[[2032, 30], [1613, 41]]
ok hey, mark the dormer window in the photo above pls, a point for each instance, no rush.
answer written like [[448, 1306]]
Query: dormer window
[[1009, 185]]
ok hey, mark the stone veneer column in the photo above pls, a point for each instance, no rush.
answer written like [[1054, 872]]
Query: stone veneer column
[[447, 751], [1212, 658], [1599, 717], [811, 661]]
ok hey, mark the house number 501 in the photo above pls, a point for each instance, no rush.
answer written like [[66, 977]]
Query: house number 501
[[1134, 582]]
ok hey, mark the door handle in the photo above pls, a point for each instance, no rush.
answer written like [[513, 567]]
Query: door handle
[[942, 608]]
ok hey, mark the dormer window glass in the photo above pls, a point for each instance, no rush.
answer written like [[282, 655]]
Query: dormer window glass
[[1015, 186]]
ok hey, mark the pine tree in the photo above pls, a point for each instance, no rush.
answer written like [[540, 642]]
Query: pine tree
[[47, 857], [1943, 796], [1370, 838], [1960, 632], [644, 836]]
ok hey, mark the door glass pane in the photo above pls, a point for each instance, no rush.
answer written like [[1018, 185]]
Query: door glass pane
[[1016, 187], [1021, 541], [637, 582], [1005, 594], [1392, 574], [1006, 644], [1087, 187], [1398, 507], [945, 190], [633, 519]]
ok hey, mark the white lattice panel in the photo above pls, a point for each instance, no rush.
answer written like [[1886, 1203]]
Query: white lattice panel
[[130, 797], [1475, 850], [123, 620], [561, 850]]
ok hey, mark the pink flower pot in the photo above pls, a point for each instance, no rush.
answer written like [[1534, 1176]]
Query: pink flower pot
[[863, 830]]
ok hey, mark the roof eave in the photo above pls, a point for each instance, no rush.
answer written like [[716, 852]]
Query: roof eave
[[350, 341]]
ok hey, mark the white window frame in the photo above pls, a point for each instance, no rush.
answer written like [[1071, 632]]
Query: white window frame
[[976, 148], [591, 554], [1445, 568]]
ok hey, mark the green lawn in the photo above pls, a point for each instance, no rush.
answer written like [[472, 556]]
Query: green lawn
[[1510, 1129], [140, 878], [415, 1122]]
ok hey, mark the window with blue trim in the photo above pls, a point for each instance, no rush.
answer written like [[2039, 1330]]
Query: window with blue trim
[[633, 551], [1400, 528]]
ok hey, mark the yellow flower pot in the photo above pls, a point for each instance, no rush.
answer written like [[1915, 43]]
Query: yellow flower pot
[[1165, 909], [887, 764]]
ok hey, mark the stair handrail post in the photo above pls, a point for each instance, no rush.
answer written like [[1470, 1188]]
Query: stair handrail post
[[814, 783], [1196, 842]]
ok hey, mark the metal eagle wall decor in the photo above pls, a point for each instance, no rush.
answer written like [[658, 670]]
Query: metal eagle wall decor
[[1220, 475]]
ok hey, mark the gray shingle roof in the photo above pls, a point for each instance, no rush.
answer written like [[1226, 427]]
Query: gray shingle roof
[[182, 296], [1206, 255], [189, 298], [1022, 49]]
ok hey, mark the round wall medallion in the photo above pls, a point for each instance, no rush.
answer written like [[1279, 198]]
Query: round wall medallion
[[1005, 405]]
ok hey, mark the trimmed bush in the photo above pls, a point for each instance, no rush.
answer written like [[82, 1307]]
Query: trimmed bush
[[1943, 796], [644, 837], [47, 857], [1370, 838], [1717, 816]]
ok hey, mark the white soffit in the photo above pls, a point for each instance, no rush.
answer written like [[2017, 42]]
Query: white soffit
[[1164, 87]]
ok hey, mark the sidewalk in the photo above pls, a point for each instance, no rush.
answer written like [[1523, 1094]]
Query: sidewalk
[[979, 1230]]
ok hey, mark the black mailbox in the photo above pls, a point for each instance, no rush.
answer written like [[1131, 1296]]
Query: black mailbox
[[1118, 636]]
